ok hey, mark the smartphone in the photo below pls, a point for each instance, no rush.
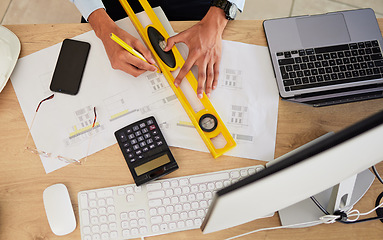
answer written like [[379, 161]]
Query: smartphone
[[70, 67]]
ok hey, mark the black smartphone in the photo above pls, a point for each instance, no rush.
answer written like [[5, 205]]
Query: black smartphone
[[70, 67]]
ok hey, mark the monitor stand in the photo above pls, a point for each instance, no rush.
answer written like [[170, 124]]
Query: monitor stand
[[344, 195], [332, 199]]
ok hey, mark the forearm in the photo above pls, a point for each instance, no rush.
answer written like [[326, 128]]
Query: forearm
[[216, 18], [101, 23], [119, 58]]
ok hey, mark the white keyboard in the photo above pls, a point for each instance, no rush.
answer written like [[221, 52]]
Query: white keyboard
[[159, 207]]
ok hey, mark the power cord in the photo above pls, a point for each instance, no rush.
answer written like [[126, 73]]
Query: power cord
[[379, 211], [327, 219], [338, 216], [377, 174], [344, 216]]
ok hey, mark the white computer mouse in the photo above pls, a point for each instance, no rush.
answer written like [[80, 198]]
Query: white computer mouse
[[59, 210]]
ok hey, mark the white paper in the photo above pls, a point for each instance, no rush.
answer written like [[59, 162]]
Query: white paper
[[246, 100]]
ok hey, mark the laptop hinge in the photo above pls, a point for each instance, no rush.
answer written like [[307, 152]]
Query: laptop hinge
[[338, 96]]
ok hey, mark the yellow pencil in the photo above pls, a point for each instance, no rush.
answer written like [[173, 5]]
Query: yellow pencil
[[128, 48]]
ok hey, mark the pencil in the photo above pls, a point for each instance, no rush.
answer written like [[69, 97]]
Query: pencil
[[128, 48]]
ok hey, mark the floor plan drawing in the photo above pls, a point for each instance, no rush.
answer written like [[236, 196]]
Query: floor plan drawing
[[239, 115], [157, 82], [117, 106], [158, 105], [83, 128], [232, 79]]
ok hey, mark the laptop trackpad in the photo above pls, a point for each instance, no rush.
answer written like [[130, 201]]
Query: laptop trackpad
[[321, 30]]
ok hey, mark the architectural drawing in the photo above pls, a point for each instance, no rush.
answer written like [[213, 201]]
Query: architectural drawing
[[159, 104], [232, 79], [83, 127], [157, 82], [239, 116], [117, 106]]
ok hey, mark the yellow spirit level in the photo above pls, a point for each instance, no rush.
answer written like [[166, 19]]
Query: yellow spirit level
[[205, 119]]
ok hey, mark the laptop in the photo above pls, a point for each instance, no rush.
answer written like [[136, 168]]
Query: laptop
[[327, 59]]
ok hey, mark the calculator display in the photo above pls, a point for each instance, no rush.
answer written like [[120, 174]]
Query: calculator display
[[153, 164]]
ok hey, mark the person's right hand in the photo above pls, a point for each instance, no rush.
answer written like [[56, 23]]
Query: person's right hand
[[119, 58]]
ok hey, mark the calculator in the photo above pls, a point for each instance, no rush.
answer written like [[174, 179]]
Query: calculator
[[145, 150]]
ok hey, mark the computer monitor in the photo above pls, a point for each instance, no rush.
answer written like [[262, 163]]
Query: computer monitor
[[300, 176]]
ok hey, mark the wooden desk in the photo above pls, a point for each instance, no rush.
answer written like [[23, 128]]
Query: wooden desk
[[23, 180]]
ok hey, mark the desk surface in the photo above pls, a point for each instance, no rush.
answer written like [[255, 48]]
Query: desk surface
[[23, 180]]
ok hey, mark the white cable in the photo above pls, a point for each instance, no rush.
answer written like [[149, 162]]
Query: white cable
[[349, 214], [328, 219], [358, 214], [325, 219]]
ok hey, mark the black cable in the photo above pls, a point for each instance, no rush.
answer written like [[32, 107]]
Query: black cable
[[343, 215], [379, 211], [361, 220], [319, 205], [377, 174]]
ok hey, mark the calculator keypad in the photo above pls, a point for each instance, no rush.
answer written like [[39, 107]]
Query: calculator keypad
[[140, 139]]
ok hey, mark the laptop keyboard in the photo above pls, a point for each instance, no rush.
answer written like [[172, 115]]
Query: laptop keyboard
[[324, 66]]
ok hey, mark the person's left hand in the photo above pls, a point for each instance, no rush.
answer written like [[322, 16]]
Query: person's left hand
[[205, 45]]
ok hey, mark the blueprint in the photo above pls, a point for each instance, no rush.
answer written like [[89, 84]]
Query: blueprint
[[246, 100]]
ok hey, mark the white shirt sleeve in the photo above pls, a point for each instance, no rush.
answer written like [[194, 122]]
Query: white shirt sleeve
[[239, 3], [86, 7]]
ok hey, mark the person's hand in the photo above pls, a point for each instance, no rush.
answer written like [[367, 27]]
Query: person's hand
[[204, 41], [119, 58]]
